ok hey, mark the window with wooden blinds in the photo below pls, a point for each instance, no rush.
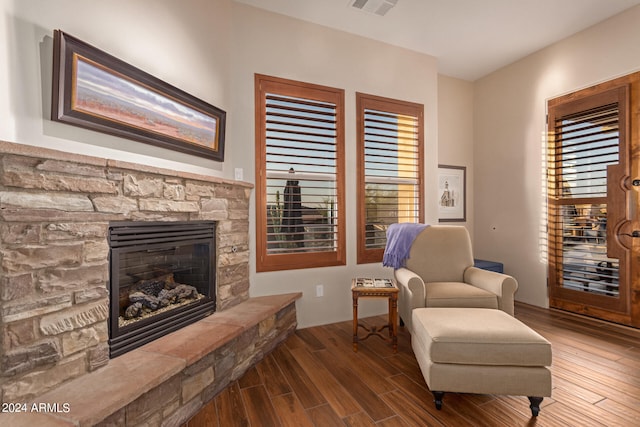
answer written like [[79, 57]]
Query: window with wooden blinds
[[300, 174], [390, 170], [585, 144]]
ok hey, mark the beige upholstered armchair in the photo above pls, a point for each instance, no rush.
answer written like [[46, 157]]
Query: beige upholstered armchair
[[440, 273]]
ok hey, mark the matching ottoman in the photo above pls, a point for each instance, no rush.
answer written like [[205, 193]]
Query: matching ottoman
[[480, 350]]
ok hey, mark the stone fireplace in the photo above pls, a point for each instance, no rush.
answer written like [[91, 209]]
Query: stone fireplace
[[161, 278], [56, 210]]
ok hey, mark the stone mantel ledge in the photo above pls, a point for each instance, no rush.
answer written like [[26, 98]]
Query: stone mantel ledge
[[99, 394], [41, 152]]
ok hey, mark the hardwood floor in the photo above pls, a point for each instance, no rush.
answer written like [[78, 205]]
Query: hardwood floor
[[315, 379]]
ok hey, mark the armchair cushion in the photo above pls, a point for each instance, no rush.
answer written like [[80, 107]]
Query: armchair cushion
[[441, 253], [458, 294]]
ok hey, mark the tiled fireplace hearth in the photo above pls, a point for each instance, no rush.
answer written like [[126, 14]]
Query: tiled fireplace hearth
[[55, 212]]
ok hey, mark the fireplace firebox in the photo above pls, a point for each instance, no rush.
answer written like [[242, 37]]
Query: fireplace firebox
[[162, 278]]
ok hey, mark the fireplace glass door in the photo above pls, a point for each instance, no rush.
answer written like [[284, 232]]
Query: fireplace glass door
[[162, 278]]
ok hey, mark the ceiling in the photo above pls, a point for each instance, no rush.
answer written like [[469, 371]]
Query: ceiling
[[470, 38]]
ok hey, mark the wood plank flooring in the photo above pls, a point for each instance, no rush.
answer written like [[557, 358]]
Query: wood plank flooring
[[315, 379]]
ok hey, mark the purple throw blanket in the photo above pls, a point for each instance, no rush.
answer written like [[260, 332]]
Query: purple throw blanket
[[399, 240]]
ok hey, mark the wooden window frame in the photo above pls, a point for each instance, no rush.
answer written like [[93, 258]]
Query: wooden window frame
[[394, 106], [286, 261]]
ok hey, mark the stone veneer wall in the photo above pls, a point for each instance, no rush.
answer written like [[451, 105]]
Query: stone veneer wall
[[54, 211]]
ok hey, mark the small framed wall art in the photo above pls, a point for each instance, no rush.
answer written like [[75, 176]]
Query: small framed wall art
[[452, 193]]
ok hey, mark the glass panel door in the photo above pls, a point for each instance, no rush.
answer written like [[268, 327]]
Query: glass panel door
[[589, 218]]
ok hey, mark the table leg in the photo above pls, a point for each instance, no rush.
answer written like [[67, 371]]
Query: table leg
[[355, 322], [393, 318], [390, 315]]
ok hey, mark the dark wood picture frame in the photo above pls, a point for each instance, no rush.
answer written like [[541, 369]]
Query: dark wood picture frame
[[452, 193], [94, 90]]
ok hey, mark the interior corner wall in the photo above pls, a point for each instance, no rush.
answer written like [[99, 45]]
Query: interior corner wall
[[276, 45], [184, 44], [510, 132], [455, 134]]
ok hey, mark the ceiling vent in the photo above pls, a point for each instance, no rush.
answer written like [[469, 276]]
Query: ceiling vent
[[379, 7]]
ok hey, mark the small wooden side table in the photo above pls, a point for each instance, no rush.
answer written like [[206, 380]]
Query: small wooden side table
[[367, 288]]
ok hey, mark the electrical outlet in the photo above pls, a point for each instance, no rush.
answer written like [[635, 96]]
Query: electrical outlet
[[319, 290], [238, 172]]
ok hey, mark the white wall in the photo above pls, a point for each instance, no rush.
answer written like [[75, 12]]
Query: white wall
[[455, 134], [509, 122], [211, 49], [276, 45], [185, 45]]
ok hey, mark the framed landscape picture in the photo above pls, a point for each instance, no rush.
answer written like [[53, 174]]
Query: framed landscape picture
[[452, 193], [97, 91]]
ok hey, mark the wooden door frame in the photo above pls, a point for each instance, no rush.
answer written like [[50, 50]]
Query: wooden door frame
[[620, 192]]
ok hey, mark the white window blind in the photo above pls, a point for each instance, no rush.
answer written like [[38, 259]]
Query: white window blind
[[301, 175], [391, 173], [586, 143]]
